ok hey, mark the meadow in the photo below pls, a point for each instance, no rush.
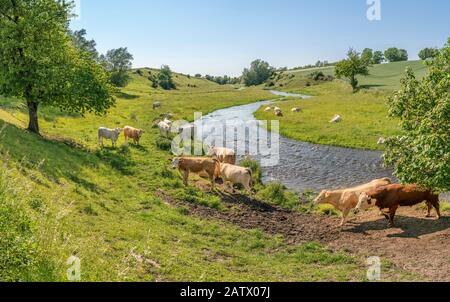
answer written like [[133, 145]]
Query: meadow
[[61, 195], [105, 207], [365, 115]]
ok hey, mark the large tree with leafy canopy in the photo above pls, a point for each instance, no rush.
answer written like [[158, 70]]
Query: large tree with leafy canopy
[[40, 63], [258, 73], [422, 153]]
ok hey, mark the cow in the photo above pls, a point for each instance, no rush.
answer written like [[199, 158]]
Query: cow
[[346, 200], [276, 109], [197, 165], [164, 129], [279, 113], [224, 155], [168, 122], [296, 110], [336, 119], [133, 133], [112, 134], [156, 105], [394, 196], [237, 175], [268, 109]]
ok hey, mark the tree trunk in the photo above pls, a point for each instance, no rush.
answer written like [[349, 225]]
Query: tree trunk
[[33, 125]]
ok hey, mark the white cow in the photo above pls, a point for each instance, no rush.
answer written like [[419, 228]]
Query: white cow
[[296, 110], [336, 119], [224, 155], [112, 134], [268, 109], [164, 129], [236, 175]]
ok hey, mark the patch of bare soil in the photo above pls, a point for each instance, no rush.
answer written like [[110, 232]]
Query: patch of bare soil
[[417, 244]]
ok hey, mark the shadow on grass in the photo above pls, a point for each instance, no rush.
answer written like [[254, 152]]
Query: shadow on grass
[[127, 96], [58, 158]]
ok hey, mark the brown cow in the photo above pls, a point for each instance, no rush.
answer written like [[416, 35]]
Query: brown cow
[[133, 133], [394, 196], [197, 165]]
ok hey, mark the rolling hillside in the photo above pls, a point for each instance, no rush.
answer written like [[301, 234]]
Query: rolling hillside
[[382, 76]]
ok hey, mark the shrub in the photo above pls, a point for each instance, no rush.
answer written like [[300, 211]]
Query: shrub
[[163, 143], [256, 170], [276, 193]]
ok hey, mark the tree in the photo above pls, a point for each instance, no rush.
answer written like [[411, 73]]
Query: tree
[[378, 57], [428, 53], [396, 55], [198, 75], [422, 153], [367, 55], [259, 72], [118, 63], [39, 63], [350, 68], [80, 42], [165, 78]]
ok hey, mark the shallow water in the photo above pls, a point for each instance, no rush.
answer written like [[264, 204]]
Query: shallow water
[[301, 165]]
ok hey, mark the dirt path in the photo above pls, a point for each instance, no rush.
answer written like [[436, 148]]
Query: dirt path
[[419, 245]]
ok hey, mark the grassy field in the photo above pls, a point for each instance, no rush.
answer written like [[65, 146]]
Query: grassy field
[[382, 76], [365, 117], [364, 114], [103, 205]]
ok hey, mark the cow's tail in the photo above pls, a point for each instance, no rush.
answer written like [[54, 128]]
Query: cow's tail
[[250, 172]]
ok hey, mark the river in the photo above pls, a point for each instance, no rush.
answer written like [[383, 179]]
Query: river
[[303, 166]]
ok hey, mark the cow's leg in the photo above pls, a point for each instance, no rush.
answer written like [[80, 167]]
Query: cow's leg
[[248, 188], [430, 207], [438, 209], [392, 212], [185, 177], [345, 214]]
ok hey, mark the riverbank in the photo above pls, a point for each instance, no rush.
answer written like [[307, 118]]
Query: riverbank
[[364, 114]]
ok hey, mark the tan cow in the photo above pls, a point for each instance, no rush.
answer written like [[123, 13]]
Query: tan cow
[[224, 155], [197, 165], [133, 133], [347, 199], [236, 175]]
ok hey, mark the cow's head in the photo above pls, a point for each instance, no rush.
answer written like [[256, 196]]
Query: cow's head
[[322, 198], [118, 130], [140, 133], [212, 151], [365, 202], [176, 162]]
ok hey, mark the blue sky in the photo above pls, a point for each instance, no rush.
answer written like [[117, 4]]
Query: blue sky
[[222, 37]]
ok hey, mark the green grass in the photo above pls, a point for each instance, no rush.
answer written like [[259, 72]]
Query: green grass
[[105, 206], [365, 117]]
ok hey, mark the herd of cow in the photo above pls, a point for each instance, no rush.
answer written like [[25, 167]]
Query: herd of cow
[[221, 163]]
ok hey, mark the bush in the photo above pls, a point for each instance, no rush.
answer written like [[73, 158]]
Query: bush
[[276, 193], [256, 170], [163, 143]]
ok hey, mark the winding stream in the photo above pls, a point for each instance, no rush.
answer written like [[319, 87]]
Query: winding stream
[[303, 165]]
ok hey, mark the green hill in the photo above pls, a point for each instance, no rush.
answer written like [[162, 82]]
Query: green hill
[[382, 76]]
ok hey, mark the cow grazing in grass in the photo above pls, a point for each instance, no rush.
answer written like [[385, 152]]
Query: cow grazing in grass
[[197, 165], [224, 155], [237, 175], [296, 110], [279, 113], [394, 196], [336, 119], [268, 109], [156, 105], [133, 133], [164, 129], [347, 199], [112, 134]]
